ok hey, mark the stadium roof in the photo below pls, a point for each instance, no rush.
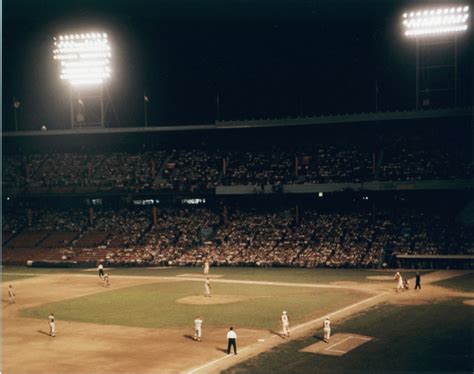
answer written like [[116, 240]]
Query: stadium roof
[[259, 123]]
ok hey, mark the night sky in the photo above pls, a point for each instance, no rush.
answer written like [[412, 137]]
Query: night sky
[[264, 58]]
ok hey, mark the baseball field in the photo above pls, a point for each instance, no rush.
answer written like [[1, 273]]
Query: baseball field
[[143, 321]]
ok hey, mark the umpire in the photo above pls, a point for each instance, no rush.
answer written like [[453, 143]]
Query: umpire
[[101, 270], [417, 281], [231, 340]]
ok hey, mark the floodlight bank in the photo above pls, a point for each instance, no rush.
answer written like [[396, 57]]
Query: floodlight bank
[[426, 22], [85, 57]]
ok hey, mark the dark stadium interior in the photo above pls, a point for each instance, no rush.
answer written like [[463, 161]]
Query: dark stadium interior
[[264, 59]]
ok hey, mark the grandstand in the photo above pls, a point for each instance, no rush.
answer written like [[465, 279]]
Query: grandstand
[[367, 168]]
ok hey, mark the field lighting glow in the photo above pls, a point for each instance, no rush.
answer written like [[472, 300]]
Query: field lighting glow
[[84, 57], [426, 22]]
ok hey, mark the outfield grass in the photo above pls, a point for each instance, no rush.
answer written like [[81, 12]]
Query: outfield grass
[[38, 271], [462, 283], [290, 275], [154, 305], [10, 277], [431, 338]]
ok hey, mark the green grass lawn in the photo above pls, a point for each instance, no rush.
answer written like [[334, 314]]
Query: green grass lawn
[[430, 338], [154, 305], [462, 283], [39, 271], [291, 275], [8, 277]]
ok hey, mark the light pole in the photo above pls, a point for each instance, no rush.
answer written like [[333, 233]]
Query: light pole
[[218, 108], [145, 102], [430, 28], [16, 106], [85, 63]]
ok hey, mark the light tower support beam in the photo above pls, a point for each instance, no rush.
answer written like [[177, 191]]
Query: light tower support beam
[[435, 81], [85, 63]]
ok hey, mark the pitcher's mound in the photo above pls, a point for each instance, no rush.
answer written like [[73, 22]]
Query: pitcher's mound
[[469, 302], [381, 277], [339, 344], [214, 299]]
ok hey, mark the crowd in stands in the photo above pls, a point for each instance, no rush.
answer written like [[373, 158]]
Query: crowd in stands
[[117, 228], [241, 237], [259, 167], [65, 172], [203, 170], [193, 170], [14, 173], [406, 161], [178, 231], [13, 220], [129, 172], [57, 220], [332, 165]]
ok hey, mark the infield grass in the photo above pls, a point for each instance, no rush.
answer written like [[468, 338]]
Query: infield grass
[[155, 305]]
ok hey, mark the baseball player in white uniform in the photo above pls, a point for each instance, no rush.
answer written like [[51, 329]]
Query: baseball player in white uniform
[[106, 280], [285, 324], [327, 329], [207, 288], [11, 295], [206, 267], [52, 325], [197, 328], [399, 278]]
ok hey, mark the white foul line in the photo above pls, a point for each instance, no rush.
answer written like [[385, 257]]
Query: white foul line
[[295, 328], [342, 341], [338, 311]]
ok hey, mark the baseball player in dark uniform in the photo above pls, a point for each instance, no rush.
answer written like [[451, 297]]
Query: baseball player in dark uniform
[[101, 270], [418, 281]]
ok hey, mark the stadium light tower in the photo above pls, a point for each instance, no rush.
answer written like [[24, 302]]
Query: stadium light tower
[[85, 64], [430, 28]]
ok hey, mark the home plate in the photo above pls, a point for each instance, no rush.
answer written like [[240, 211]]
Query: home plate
[[261, 340], [339, 345]]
